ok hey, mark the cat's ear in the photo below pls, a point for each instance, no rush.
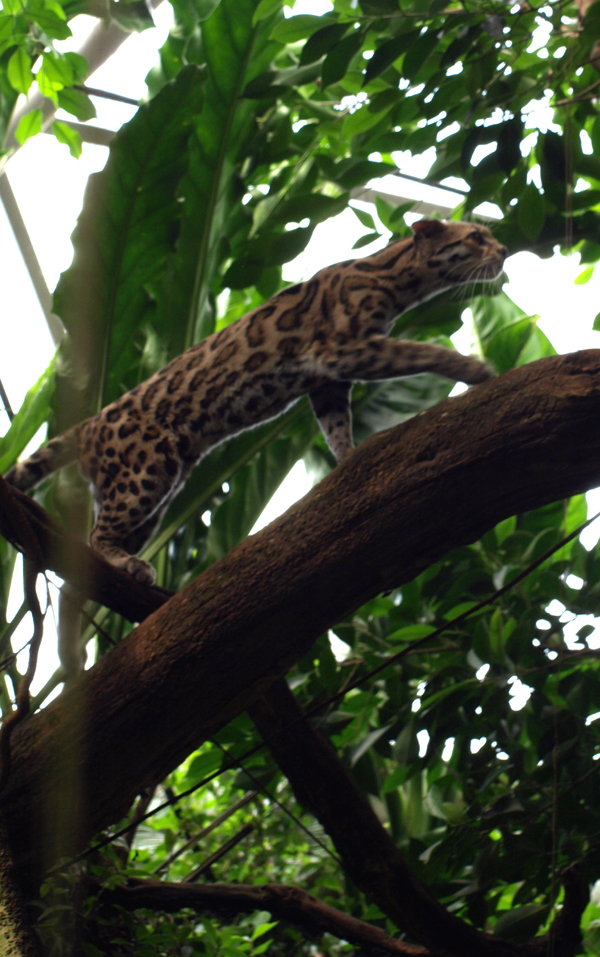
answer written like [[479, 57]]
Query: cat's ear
[[428, 228]]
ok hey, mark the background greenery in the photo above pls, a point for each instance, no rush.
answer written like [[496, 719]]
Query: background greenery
[[256, 130]]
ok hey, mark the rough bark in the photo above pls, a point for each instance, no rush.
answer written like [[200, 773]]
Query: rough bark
[[25, 523], [16, 936], [397, 505]]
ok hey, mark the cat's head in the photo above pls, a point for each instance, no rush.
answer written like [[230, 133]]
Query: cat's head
[[458, 252]]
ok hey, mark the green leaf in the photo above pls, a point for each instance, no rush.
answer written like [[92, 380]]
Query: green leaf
[[226, 461], [361, 120], [253, 486], [584, 276], [521, 924], [366, 239], [29, 125], [123, 235], [538, 346], [406, 750], [367, 742], [596, 323], [298, 27], [78, 65], [134, 15], [363, 217], [46, 88], [532, 212], [322, 41], [505, 347], [203, 765], [383, 405], [410, 633], [265, 8], [493, 313], [388, 52], [222, 136], [70, 137], [356, 172], [50, 23], [418, 53], [338, 60], [34, 411], [78, 103], [6, 27], [58, 70], [19, 72], [263, 929]]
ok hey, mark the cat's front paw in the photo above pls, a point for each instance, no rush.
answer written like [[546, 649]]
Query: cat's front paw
[[478, 371], [141, 571]]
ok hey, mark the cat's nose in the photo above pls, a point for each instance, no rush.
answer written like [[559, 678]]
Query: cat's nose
[[503, 251]]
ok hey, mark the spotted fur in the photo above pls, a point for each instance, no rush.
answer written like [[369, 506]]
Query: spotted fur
[[314, 338]]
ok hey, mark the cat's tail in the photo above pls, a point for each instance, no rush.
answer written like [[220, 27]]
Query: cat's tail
[[52, 456]]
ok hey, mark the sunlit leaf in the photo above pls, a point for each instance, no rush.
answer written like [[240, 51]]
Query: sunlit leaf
[[34, 411], [29, 125], [19, 71], [70, 137]]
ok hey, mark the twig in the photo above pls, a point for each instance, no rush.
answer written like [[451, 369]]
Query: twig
[[578, 96], [223, 850], [241, 802], [7, 405]]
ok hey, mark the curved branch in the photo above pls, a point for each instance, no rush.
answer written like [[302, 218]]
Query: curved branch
[[403, 500], [287, 903]]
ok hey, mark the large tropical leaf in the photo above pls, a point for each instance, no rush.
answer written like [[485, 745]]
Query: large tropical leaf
[[253, 486], [224, 462], [30, 417], [235, 51], [123, 236]]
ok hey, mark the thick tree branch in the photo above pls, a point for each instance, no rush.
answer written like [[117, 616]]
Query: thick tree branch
[[286, 903], [25, 523], [16, 936], [404, 499]]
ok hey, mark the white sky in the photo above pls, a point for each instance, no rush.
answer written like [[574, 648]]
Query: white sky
[[49, 187]]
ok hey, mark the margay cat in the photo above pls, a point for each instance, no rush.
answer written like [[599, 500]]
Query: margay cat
[[313, 338]]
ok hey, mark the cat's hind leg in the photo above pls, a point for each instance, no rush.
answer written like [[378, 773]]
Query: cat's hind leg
[[130, 509], [331, 404]]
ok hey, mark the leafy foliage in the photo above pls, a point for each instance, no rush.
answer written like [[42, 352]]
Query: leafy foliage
[[479, 750], [29, 59]]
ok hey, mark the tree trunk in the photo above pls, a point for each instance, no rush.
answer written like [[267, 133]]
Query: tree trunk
[[16, 936], [403, 500]]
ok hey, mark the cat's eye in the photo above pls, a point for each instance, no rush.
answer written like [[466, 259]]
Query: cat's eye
[[478, 237]]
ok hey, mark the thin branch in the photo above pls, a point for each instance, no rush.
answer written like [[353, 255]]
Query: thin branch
[[220, 853], [5, 400], [281, 806], [117, 97]]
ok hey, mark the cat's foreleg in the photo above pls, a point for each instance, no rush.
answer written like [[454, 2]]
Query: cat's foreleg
[[381, 358], [331, 404]]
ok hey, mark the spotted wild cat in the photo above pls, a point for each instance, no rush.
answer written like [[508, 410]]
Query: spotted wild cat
[[314, 338]]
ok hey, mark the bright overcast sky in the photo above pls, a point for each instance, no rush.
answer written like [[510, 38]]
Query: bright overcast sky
[[49, 185]]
